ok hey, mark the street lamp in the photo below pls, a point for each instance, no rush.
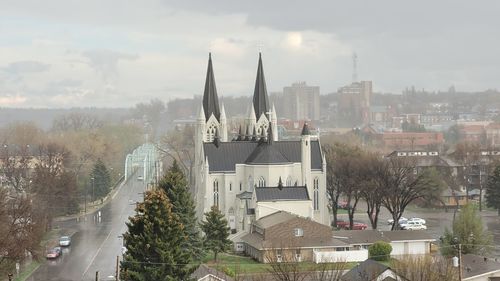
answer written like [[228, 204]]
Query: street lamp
[[93, 198]]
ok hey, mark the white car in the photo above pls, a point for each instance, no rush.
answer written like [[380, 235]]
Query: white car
[[64, 241], [412, 225], [401, 221], [419, 220], [140, 178]]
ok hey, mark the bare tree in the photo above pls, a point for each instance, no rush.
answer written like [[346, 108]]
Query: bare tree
[[179, 145], [373, 187], [285, 264], [403, 185], [76, 121], [16, 165], [425, 268]]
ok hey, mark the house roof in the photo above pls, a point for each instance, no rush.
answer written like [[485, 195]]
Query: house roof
[[274, 219], [290, 193], [225, 157], [203, 271], [367, 270], [257, 241], [474, 266], [367, 236], [371, 236], [407, 235]]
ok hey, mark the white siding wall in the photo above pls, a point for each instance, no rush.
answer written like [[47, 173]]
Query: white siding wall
[[340, 256], [409, 248]]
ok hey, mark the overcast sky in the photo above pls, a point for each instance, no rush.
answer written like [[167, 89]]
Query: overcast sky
[[113, 53]]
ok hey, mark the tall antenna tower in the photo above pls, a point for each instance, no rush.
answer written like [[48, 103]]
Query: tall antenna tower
[[354, 67]]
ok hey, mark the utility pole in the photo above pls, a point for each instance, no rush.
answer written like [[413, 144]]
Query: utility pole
[[97, 276], [460, 262], [117, 268]]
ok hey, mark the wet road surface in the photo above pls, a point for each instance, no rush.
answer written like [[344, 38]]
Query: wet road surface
[[95, 244]]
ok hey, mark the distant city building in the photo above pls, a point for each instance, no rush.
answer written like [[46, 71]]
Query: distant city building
[[410, 140], [354, 102], [301, 102]]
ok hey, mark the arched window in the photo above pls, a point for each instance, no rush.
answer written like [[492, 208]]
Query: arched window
[[216, 193], [289, 181], [211, 132], [230, 186], [250, 184], [316, 193], [262, 182]]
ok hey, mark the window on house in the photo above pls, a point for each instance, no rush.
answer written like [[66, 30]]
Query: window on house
[[216, 193], [240, 186], [298, 256], [279, 257], [262, 182], [230, 187], [299, 232], [316, 194]]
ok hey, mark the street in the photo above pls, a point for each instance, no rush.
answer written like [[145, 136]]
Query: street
[[95, 244]]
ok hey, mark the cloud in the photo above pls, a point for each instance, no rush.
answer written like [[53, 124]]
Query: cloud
[[12, 100], [105, 62], [25, 67]]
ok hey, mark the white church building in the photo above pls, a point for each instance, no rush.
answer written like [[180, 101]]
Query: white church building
[[253, 175]]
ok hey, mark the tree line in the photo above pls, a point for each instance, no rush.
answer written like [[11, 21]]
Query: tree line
[[390, 182]]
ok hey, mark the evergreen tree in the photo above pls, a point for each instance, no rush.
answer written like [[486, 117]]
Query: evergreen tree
[[101, 180], [174, 184], [467, 230], [153, 241], [216, 232], [493, 190]]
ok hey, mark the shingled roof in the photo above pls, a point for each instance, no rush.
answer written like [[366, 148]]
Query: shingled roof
[[225, 157], [294, 193]]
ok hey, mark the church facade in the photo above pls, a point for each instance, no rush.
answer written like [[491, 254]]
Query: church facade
[[254, 174]]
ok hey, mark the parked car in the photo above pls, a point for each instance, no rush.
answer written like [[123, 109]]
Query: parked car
[[54, 253], [64, 241], [419, 220], [401, 221], [343, 205], [342, 224], [413, 225]]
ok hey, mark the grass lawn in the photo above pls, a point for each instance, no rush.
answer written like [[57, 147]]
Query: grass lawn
[[246, 265], [27, 271]]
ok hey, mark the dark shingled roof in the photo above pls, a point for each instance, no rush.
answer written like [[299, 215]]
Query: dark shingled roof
[[305, 130], [260, 99], [367, 270], [210, 99], [265, 153], [294, 193], [225, 157]]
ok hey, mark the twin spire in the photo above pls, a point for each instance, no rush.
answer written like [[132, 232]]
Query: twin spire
[[211, 100]]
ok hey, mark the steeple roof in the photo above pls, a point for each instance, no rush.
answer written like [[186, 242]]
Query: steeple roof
[[210, 99], [260, 99], [305, 130]]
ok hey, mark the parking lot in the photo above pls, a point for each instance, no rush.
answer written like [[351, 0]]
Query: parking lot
[[436, 220]]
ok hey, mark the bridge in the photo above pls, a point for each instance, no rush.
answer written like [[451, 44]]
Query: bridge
[[144, 162]]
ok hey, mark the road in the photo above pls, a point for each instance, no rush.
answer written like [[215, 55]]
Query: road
[[95, 244]]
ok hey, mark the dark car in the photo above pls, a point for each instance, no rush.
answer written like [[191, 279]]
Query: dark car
[[54, 253]]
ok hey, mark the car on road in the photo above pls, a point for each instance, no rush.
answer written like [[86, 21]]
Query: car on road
[[54, 253], [64, 241], [419, 220], [402, 220], [343, 224], [140, 178], [413, 225]]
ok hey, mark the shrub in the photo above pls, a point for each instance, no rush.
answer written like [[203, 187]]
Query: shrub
[[380, 251]]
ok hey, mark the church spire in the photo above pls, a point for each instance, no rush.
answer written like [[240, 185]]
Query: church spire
[[260, 99], [210, 99]]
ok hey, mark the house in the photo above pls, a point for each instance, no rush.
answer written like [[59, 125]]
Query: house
[[255, 173], [478, 268], [403, 242], [370, 270], [205, 273], [282, 237]]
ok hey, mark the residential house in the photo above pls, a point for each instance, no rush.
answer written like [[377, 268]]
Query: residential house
[[371, 270], [282, 237], [205, 273]]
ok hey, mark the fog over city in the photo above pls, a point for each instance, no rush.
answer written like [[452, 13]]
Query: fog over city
[[115, 54]]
